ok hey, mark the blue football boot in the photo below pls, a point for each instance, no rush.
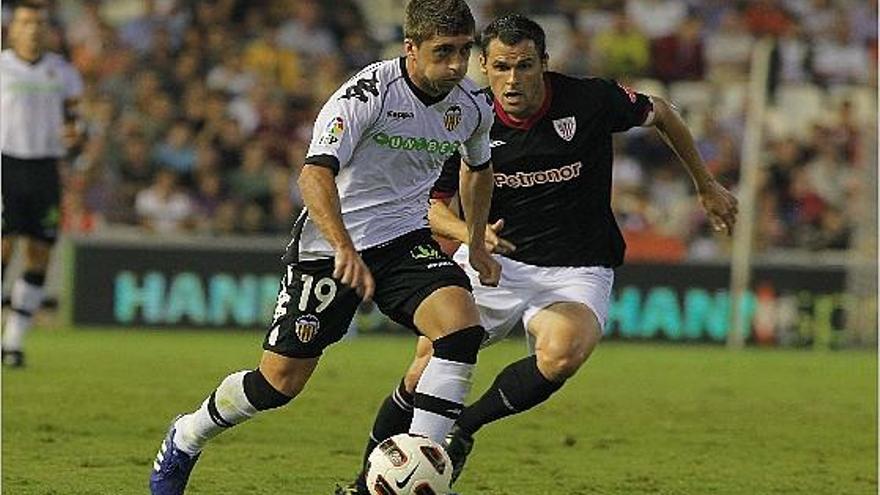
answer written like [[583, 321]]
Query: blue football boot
[[172, 467]]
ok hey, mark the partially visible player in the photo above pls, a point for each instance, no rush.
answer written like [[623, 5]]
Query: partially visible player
[[378, 146], [38, 94], [552, 152]]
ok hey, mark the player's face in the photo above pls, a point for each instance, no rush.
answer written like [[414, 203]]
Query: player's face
[[28, 28], [516, 76], [440, 62]]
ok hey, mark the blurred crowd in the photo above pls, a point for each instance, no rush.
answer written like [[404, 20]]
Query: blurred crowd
[[199, 113]]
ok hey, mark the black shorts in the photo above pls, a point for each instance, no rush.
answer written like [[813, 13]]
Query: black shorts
[[314, 310], [31, 197]]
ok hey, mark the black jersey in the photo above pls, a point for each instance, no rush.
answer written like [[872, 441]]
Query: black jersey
[[553, 173]]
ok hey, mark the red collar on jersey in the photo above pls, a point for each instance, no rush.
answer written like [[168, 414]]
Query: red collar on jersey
[[535, 117]]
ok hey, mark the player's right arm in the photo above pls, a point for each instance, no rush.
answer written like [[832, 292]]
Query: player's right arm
[[317, 185], [338, 129], [71, 133]]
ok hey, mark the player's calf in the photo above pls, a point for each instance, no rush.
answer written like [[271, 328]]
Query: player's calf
[[238, 398], [444, 384]]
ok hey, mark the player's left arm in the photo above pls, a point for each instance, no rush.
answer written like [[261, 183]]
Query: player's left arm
[[719, 203], [475, 189], [72, 134], [444, 215]]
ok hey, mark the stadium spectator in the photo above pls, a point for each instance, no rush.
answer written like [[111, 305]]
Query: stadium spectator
[[838, 59], [656, 18], [622, 50], [163, 207], [679, 56], [234, 72], [729, 49], [176, 151], [304, 31]]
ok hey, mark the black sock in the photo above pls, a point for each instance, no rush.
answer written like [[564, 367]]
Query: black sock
[[394, 416], [519, 387]]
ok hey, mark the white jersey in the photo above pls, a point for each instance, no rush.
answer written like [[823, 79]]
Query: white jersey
[[388, 141], [32, 98]]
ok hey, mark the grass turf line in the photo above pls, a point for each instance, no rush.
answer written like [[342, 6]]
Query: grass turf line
[[88, 414]]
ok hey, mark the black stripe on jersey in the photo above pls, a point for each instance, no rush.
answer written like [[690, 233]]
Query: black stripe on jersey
[[291, 253], [326, 161], [482, 166]]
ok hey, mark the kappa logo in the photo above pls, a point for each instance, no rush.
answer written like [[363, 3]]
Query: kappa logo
[[361, 88], [306, 327], [397, 114], [565, 127], [452, 118], [496, 143]]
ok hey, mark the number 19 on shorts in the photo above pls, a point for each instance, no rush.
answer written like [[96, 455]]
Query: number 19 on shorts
[[324, 290]]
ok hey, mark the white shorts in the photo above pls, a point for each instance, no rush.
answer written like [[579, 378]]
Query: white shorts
[[526, 289]]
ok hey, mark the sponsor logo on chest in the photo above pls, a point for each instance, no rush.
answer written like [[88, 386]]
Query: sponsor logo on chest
[[540, 177]]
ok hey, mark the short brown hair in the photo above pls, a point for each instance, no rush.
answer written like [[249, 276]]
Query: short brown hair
[[426, 18], [30, 4]]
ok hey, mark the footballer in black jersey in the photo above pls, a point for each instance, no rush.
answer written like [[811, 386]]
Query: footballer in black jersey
[[553, 172], [552, 225]]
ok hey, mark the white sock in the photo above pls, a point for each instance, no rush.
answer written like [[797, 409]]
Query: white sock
[[24, 301], [230, 403], [439, 397]]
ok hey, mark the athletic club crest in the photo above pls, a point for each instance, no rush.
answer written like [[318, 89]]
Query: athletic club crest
[[565, 127], [452, 117], [306, 328]]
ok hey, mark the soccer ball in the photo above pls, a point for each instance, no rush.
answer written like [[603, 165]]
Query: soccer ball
[[409, 465]]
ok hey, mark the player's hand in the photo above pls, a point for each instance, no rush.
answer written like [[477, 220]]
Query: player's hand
[[351, 270], [494, 242], [720, 206], [70, 136], [486, 266]]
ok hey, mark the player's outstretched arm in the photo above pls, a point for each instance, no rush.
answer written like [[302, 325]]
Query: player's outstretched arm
[[445, 223], [476, 196], [321, 197], [719, 203]]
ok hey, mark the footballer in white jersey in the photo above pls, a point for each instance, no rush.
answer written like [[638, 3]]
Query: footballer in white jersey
[[387, 141], [378, 146], [38, 93]]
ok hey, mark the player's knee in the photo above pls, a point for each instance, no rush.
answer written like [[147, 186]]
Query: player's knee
[[261, 394], [37, 255], [461, 346], [560, 366]]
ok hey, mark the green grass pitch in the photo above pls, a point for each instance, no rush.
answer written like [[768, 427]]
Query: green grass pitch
[[87, 416]]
